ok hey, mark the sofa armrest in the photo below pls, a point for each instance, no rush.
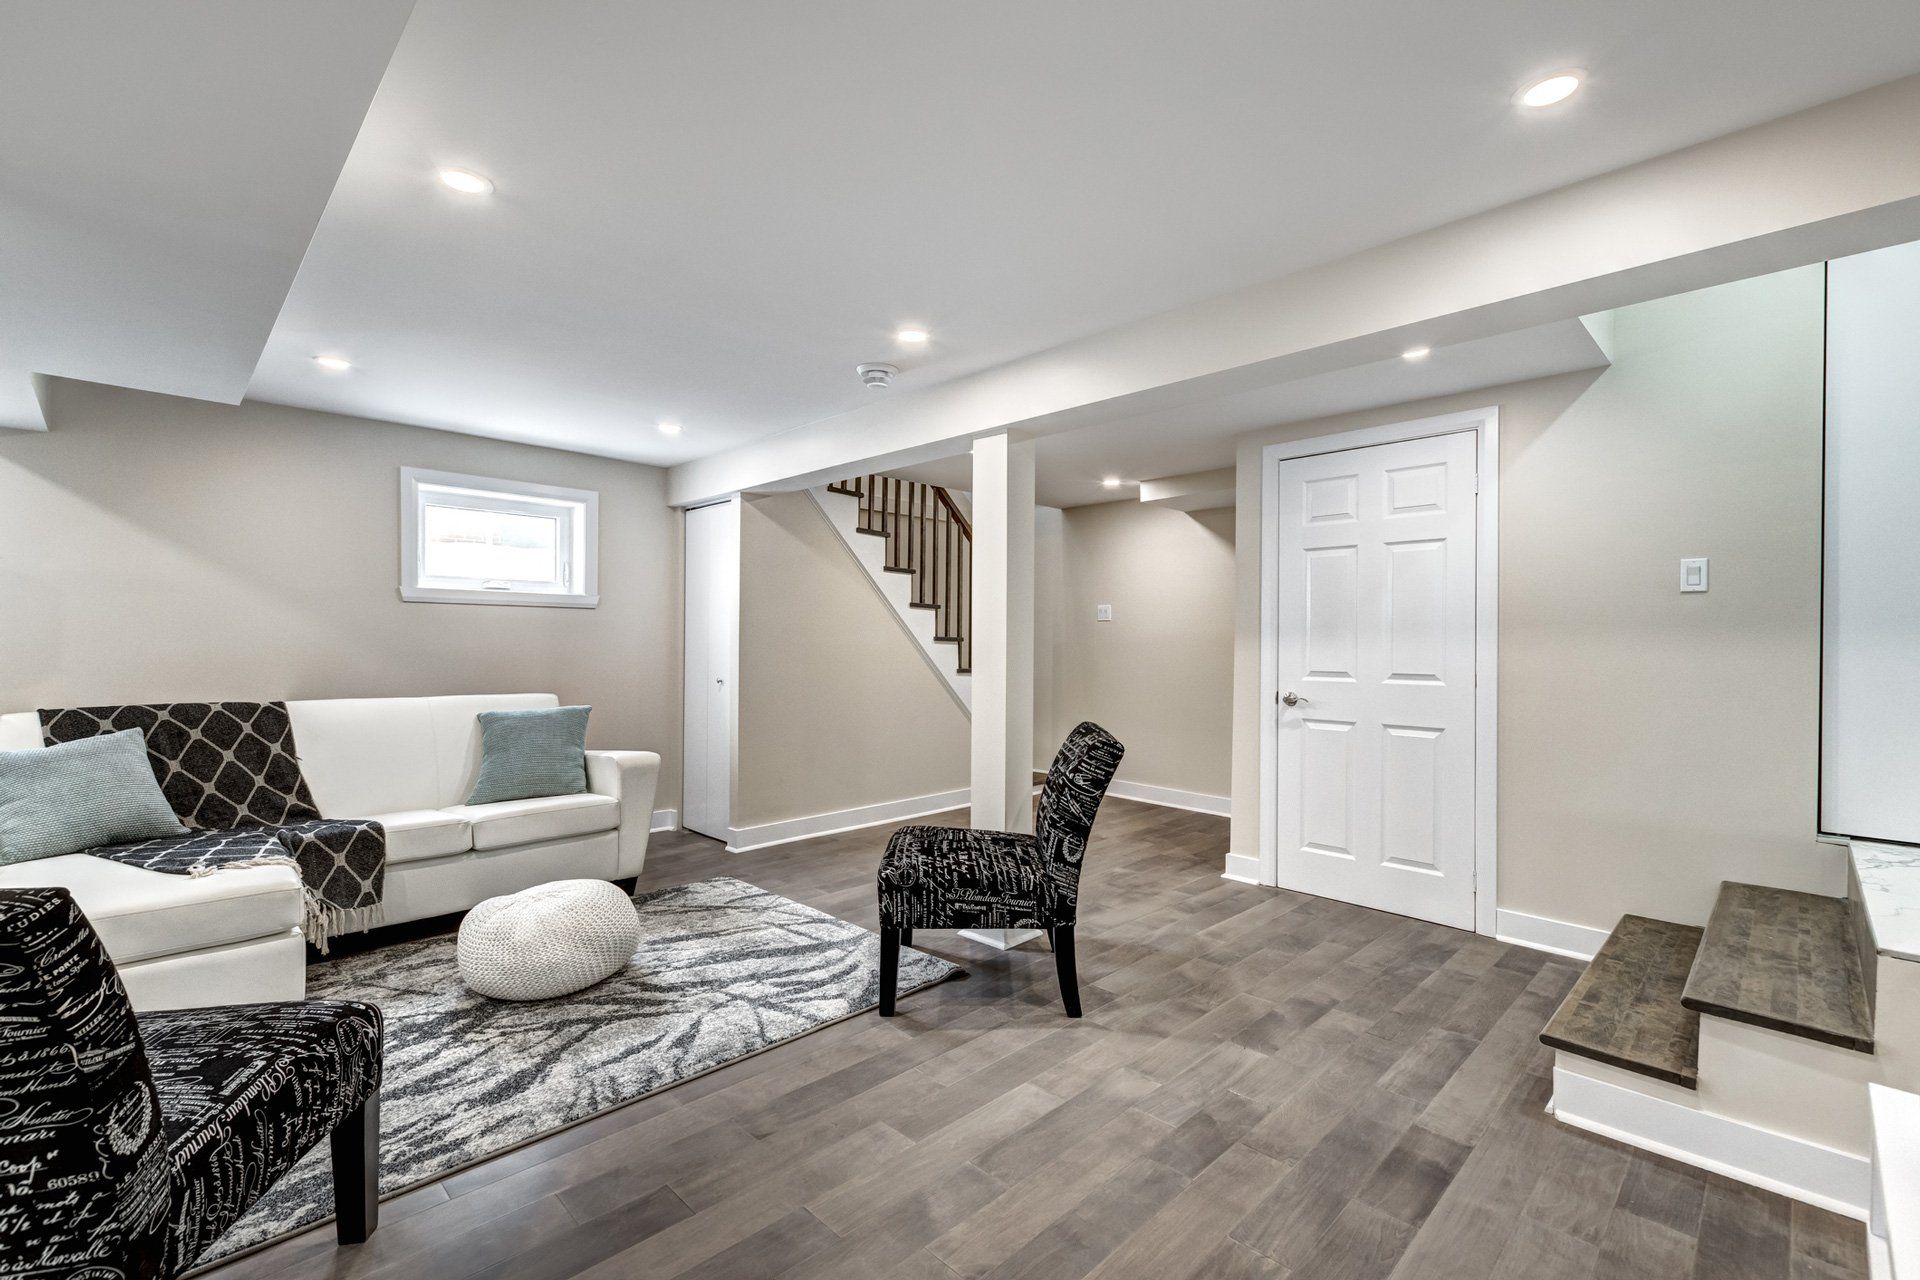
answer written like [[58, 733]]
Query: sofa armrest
[[631, 778]]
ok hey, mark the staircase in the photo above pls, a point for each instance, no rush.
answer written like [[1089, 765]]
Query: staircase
[[1745, 1047], [929, 539]]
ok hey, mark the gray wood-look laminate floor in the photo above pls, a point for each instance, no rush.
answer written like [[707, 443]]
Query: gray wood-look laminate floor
[[1264, 1085]]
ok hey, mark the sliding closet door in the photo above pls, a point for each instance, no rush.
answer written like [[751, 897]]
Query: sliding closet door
[[1870, 695]]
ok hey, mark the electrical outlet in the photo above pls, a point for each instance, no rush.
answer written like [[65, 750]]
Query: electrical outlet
[[1103, 613]]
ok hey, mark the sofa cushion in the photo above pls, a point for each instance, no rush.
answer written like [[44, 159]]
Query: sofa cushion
[[413, 834], [142, 914], [511, 822], [363, 756], [20, 731]]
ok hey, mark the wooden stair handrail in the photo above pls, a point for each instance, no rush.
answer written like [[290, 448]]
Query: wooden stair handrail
[[929, 537], [959, 517]]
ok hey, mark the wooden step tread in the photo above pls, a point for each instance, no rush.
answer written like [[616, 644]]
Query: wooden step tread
[[1625, 1010], [1785, 960]]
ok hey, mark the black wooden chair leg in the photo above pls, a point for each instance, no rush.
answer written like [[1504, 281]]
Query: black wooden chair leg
[[906, 937], [356, 1172], [889, 968], [1062, 936]]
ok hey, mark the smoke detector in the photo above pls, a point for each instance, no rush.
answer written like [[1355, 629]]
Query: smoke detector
[[877, 376]]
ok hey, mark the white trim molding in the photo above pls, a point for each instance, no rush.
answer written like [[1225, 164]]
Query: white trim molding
[[1543, 934], [1242, 867], [1791, 1167], [1485, 424], [1001, 939], [1171, 797], [665, 820], [768, 834]]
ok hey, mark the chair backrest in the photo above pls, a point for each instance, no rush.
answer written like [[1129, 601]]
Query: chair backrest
[[81, 1144], [1076, 784]]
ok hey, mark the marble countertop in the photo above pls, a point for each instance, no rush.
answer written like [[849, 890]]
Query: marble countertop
[[1889, 877]]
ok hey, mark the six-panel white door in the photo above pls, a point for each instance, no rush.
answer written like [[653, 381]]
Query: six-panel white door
[[1374, 562]]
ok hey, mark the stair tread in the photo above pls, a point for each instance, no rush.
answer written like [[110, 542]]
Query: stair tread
[[1626, 1010], [1786, 960]]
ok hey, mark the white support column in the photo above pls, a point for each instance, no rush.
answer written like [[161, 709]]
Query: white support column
[[1002, 635]]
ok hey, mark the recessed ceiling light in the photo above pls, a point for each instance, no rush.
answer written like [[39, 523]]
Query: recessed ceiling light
[[466, 182], [669, 428], [1557, 87], [337, 364], [1111, 482], [1416, 353], [910, 333]]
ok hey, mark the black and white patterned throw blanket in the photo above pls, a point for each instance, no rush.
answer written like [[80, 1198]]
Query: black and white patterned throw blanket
[[232, 775]]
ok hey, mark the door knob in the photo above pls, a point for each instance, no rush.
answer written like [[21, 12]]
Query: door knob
[[1291, 698]]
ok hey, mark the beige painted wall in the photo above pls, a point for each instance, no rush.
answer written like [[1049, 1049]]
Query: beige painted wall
[[154, 548], [1651, 743], [1160, 675], [837, 706]]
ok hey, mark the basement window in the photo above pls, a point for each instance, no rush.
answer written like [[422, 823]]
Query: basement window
[[472, 540]]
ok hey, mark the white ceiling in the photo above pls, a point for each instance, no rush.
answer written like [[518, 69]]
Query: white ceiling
[[1069, 466], [162, 167], [711, 213]]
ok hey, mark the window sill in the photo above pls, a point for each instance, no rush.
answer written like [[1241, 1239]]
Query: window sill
[[538, 599]]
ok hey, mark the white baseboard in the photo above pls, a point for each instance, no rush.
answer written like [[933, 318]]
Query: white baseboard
[[1542, 934], [766, 835], [1242, 868], [1775, 1162], [1171, 797], [665, 820], [1003, 939]]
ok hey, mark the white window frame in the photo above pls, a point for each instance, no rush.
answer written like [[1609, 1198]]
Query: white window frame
[[582, 549]]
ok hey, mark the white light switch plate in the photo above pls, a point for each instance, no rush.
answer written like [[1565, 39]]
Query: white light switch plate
[[1103, 613], [1693, 575]]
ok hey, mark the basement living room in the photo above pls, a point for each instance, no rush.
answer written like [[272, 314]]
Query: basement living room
[[666, 642]]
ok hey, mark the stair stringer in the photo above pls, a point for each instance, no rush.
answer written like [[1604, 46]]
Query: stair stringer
[[843, 513]]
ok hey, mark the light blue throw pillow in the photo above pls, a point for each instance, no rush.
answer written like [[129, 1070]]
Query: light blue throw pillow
[[524, 754], [80, 795]]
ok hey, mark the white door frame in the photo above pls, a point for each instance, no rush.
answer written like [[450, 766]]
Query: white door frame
[[1485, 423], [729, 586]]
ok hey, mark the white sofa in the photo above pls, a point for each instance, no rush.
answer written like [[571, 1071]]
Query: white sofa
[[234, 936]]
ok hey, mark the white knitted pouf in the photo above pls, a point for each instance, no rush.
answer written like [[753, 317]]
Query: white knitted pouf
[[550, 940]]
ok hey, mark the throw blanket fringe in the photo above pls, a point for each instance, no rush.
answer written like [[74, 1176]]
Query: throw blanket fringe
[[341, 863], [324, 923], [320, 921]]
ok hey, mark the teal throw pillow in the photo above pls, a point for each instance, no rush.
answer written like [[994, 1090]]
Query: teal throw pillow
[[80, 795], [524, 754]]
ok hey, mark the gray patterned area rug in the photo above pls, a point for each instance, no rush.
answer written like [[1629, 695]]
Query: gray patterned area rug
[[724, 970]]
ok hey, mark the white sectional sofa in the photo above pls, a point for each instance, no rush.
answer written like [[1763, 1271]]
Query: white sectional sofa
[[234, 936]]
